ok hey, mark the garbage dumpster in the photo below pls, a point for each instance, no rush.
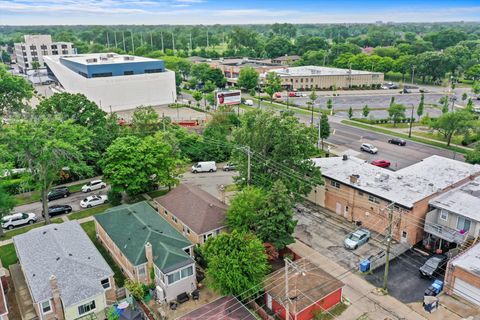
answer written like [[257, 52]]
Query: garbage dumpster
[[365, 266]]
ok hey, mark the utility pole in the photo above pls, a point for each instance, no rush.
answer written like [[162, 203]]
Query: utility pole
[[249, 165], [124, 47], [297, 269], [389, 242], [413, 72], [411, 123], [161, 36]]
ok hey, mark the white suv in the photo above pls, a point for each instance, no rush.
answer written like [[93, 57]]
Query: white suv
[[93, 201], [367, 147], [18, 219], [94, 185]]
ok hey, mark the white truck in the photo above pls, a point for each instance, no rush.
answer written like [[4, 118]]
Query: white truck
[[204, 166]]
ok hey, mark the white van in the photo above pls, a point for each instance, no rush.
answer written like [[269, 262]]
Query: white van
[[205, 166], [249, 102]]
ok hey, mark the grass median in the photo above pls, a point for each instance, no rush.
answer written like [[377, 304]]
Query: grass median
[[89, 212], [405, 136]]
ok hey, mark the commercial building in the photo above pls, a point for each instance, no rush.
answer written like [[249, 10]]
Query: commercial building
[[141, 241], [313, 77], [35, 47], [115, 82], [286, 59], [364, 193], [65, 274], [462, 277]]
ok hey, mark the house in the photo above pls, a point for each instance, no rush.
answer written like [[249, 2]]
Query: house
[[224, 308], [65, 274], [454, 217], [364, 193], [286, 59], [462, 276], [3, 292], [140, 241], [311, 289], [193, 211]]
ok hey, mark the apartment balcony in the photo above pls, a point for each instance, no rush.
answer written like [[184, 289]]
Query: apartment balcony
[[441, 231]]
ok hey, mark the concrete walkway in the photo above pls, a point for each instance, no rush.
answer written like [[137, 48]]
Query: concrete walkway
[[365, 299], [24, 300]]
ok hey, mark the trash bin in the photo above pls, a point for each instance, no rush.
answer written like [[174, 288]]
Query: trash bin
[[365, 266]]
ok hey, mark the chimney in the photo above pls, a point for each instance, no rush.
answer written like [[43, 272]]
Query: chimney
[[57, 302], [354, 178], [345, 157], [149, 255]]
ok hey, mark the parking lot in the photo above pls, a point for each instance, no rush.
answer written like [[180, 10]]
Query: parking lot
[[210, 181]]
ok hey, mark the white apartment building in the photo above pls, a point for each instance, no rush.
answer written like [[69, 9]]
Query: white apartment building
[[35, 47]]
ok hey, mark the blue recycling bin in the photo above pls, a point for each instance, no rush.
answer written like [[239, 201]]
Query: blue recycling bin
[[438, 285], [365, 265]]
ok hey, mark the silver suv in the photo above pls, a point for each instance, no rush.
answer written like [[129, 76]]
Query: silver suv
[[18, 219], [370, 148]]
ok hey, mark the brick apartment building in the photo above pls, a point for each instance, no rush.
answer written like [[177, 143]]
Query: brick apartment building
[[361, 192]]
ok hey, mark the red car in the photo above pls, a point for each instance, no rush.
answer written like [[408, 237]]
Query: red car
[[278, 95], [291, 94], [381, 163]]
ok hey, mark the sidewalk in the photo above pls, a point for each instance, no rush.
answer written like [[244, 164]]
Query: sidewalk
[[365, 299]]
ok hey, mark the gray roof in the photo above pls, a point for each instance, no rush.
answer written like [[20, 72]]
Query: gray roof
[[469, 260], [464, 200], [308, 71], [63, 250], [405, 186]]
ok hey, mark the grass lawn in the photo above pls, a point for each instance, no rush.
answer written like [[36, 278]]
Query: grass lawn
[[34, 196], [89, 228], [8, 255], [437, 136], [231, 188], [89, 212], [14, 232], [397, 126], [158, 193], [331, 314]]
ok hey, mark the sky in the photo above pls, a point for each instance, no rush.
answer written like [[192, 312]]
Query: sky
[[187, 12]]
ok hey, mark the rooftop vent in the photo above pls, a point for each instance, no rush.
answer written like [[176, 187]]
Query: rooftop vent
[[128, 58], [354, 178], [91, 60], [58, 258], [345, 157], [70, 255], [44, 232]]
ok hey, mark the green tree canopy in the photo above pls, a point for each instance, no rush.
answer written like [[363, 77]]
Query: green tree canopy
[[365, 111], [145, 121], [421, 105], [452, 123], [236, 263], [15, 92], [244, 211], [273, 84], [7, 202], [324, 128], [396, 112], [248, 78], [473, 156]]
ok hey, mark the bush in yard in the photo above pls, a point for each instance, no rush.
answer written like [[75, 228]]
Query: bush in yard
[[115, 197], [135, 289]]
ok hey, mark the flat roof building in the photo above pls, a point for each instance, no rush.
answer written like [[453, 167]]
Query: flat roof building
[[115, 82], [314, 77], [35, 47]]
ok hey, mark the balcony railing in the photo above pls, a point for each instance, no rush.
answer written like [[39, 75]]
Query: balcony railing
[[444, 232]]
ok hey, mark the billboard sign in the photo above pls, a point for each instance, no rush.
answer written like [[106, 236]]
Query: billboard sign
[[228, 97]]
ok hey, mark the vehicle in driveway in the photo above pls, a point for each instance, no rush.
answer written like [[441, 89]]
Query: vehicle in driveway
[[57, 210], [356, 239], [204, 166], [93, 201], [230, 167], [397, 141], [370, 148], [94, 185], [249, 102], [381, 163], [18, 219], [58, 193], [433, 266]]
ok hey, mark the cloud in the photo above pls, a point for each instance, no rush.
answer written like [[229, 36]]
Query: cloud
[[191, 1]]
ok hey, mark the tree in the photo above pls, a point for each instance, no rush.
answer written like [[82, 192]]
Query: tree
[[350, 113], [273, 84], [392, 100], [236, 263], [243, 212], [452, 123], [45, 146], [15, 91], [473, 72], [329, 104], [476, 87], [135, 288], [445, 105], [324, 128], [396, 112], [208, 87], [464, 96], [248, 78], [313, 97], [469, 105], [421, 105], [145, 121], [473, 156], [365, 111], [7, 202], [278, 46], [270, 138], [217, 77], [197, 96], [135, 164]]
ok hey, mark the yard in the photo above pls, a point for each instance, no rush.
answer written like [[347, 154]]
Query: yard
[[89, 212], [34, 196], [89, 228], [8, 256], [158, 193]]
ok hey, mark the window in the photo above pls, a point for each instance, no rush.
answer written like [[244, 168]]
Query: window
[[166, 212], [444, 215], [187, 272], [127, 73], [206, 236], [153, 70], [335, 184], [186, 230], [463, 224], [142, 271], [105, 283], [373, 199], [46, 307], [360, 193], [174, 219], [86, 307], [54, 46], [101, 75], [179, 275]]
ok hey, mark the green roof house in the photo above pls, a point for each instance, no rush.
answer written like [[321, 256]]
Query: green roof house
[[140, 240]]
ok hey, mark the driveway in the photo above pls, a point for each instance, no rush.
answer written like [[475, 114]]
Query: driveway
[[210, 181], [404, 281], [325, 234]]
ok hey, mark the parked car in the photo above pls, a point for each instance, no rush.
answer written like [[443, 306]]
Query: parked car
[[292, 94], [278, 95], [93, 201], [356, 239], [433, 266], [230, 167], [18, 219], [57, 193], [381, 163], [397, 141], [204, 166], [94, 185], [367, 147], [58, 209], [249, 102]]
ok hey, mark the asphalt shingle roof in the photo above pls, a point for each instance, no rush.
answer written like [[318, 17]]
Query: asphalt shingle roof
[[63, 250], [196, 208], [131, 226]]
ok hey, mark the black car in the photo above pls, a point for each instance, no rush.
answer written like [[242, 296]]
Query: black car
[[397, 141], [57, 193], [433, 266], [58, 209]]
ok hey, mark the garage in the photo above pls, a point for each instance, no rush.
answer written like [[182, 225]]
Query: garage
[[467, 291]]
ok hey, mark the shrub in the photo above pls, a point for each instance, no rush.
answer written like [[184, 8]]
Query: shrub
[[135, 289], [115, 197]]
